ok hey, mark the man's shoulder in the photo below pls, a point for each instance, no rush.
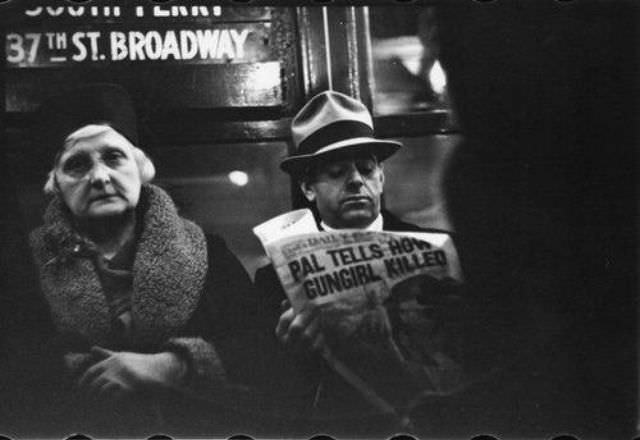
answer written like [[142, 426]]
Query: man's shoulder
[[269, 288], [391, 222], [266, 278], [217, 250], [265, 272]]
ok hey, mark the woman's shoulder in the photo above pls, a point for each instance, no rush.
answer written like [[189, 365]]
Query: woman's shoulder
[[37, 234], [38, 243]]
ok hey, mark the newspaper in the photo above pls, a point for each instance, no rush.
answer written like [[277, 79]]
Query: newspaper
[[372, 292]]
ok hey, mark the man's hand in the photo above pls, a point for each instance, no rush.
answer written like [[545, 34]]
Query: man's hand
[[119, 374], [299, 332]]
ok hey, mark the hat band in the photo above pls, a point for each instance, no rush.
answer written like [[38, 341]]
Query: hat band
[[332, 133]]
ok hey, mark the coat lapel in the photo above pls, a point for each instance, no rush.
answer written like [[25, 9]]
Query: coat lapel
[[170, 270]]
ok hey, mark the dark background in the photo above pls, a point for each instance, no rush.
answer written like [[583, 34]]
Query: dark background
[[543, 194]]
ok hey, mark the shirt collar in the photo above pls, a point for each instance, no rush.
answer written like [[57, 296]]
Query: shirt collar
[[375, 225]]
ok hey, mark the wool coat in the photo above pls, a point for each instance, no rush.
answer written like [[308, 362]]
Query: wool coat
[[312, 397], [191, 295]]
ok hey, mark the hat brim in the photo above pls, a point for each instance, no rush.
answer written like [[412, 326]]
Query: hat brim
[[381, 149]]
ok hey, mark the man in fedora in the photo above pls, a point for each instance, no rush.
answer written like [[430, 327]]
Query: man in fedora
[[337, 163]]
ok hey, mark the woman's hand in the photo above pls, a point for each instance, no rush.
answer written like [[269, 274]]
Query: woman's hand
[[299, 332], [118, 374]]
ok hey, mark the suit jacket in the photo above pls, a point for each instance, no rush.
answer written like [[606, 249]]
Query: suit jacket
[[311, 397]]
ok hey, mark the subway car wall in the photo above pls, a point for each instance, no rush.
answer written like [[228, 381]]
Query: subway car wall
[[215, 88], [212, 95], [519, 138]]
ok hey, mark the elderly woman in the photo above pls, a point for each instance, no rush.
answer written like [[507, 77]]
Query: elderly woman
[[142, 301]]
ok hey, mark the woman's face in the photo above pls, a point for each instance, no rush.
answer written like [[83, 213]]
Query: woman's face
[[97, 174]]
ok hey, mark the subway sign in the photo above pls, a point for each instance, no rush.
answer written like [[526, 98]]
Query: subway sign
[[67, 35], [175, 54], [220, 44]]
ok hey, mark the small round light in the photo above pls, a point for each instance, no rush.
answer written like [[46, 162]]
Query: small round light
[[239, 178]]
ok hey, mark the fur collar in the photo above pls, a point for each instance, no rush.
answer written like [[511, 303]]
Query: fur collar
[[170, 269]]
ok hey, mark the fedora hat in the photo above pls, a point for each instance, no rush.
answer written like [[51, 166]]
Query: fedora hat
[[332, 121]]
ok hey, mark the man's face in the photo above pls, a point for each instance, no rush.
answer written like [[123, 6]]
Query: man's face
[[97, 174], [346, 189]]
